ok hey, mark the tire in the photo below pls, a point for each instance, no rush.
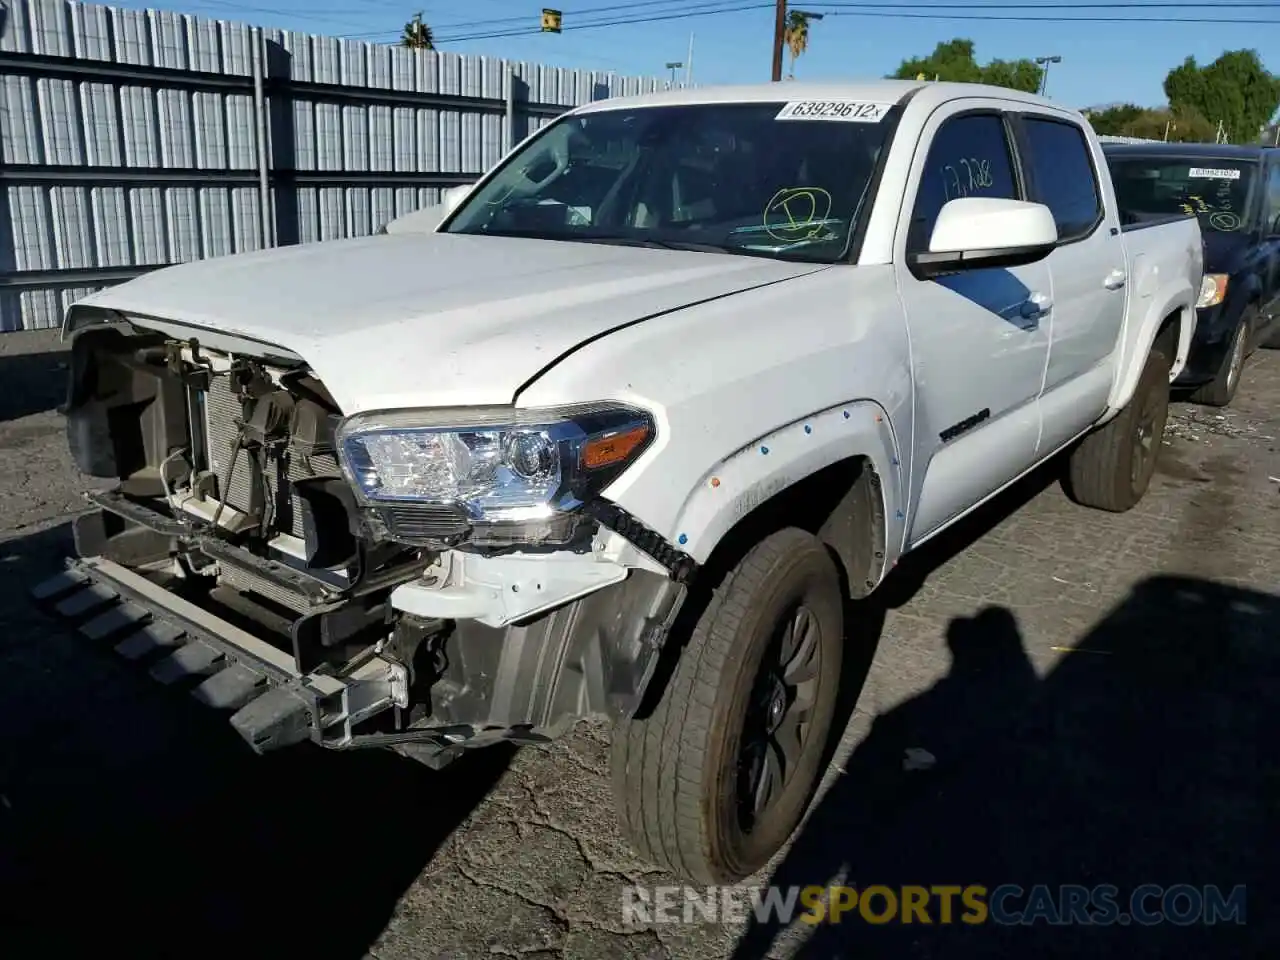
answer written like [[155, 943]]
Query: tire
[[1112, 467], [1219, 391], [678, 773]]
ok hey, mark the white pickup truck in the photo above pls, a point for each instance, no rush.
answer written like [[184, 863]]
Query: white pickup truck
[[619, 433]]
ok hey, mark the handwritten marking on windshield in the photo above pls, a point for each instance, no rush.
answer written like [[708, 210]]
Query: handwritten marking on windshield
[[1194, 205], [1224, 221], [794, 214]]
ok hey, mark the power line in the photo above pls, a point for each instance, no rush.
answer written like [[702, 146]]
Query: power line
[[1182, 4], [863, 10], [927, 11], [898, 15], [686, 12], [608, 8]]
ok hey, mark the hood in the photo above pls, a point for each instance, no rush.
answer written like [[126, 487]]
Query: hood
[[1224, 252], [432, 319]]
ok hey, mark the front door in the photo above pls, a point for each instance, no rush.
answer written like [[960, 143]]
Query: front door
[[1269, 272], [979, 338]]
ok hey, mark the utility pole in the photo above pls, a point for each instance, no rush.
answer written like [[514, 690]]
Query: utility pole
[[688, 63], [779, 32]]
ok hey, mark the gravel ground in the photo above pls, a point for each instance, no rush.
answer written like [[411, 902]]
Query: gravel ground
[[1097, 691]]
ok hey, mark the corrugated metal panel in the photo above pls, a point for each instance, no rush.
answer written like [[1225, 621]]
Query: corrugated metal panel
[[143, 123], [1108, 138]]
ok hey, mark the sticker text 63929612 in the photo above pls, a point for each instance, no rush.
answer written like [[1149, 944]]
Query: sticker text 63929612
[[846, 111]]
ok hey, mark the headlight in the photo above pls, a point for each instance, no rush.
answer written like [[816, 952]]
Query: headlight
[[1213, 289], [435, 474]]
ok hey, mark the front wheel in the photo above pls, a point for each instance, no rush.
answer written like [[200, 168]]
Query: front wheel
[[1221, 390], [1112, 467], [713, 782]]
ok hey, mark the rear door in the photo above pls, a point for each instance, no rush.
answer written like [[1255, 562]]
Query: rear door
[[1088, 268], [979, 338]]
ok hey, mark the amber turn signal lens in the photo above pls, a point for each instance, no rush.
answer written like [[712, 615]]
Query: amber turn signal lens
[[613, 448]]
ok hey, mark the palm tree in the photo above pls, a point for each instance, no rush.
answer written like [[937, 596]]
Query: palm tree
[[796, 36], [417, 34]]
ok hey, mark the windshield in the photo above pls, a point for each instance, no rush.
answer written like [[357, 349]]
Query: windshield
[[762, 179], [1215, 191]]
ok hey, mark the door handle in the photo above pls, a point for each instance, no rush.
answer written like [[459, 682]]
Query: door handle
[[1115, 280], [1036, 305]]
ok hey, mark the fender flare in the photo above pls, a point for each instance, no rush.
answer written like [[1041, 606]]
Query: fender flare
[[1178, 300], [735, 486]]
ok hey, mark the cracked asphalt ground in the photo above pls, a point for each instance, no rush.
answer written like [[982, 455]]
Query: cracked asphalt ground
[[1098, 692]]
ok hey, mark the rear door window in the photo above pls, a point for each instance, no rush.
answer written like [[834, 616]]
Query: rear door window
[[1061, 174]]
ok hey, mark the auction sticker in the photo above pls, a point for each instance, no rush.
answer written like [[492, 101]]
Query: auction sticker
[[1210, 173], [843, 111]]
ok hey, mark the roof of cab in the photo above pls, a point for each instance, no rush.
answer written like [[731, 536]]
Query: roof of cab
[[879, 91], [1220, 151]]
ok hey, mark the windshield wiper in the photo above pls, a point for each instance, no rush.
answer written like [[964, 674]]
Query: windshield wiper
[[625, 241]]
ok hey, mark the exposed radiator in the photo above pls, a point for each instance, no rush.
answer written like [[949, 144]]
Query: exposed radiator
[[222, 411]]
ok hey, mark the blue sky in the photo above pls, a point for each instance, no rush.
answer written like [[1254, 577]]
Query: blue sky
[[1101, 62]]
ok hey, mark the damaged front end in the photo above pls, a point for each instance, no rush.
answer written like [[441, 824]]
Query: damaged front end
[[305, 570]]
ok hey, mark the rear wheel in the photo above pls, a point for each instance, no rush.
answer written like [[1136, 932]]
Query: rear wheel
[[1112, 467], [1273, 339], [1219, 391], [714, 781]]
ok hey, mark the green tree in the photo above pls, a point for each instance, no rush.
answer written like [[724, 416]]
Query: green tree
[[1110, 121], [954, 60], [1236, 90], [796, 36], [1022, 75], [417, 34], [1179, 125]]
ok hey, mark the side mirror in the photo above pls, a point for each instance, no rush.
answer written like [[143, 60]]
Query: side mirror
[[973, 233], [427, 219], [454, 196]]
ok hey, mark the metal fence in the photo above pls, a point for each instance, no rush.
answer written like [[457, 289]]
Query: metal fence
[[1109, 138], [131, 139]]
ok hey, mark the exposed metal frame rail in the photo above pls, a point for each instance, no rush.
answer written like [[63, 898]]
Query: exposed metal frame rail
[[266, 89]]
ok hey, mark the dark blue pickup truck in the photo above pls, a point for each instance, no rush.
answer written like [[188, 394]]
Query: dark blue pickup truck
[[1235, 193]]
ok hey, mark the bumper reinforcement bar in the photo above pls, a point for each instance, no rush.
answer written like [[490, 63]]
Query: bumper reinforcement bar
[[274, 704]]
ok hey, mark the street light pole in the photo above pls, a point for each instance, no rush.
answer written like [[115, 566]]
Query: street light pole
[[1043, 63]]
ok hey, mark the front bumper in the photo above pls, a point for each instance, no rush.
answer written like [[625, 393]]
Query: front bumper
[[1209, 346], [274, 703], [520, 670]]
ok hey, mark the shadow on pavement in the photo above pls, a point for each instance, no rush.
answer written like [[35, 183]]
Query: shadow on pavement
[[1148, 755], [31, 382], [134, 820]]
